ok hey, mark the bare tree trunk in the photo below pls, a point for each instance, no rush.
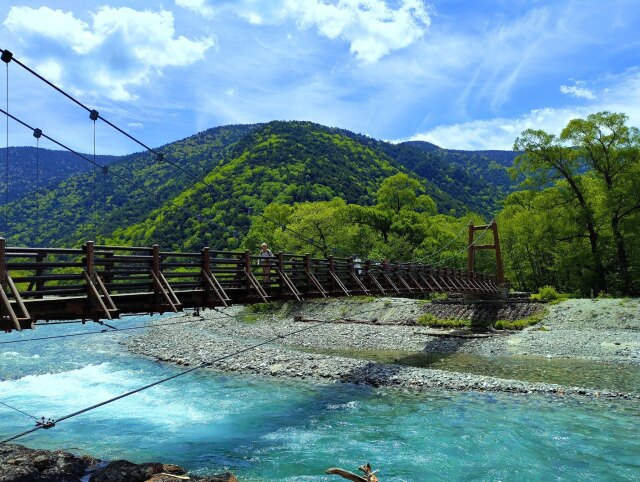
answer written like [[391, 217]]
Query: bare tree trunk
[[345, 474], [369, 475], [623, 260]]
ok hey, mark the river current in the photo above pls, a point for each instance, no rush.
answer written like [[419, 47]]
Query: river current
[[273, 430]]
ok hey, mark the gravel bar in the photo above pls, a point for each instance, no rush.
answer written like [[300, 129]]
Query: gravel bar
[[604, 330]]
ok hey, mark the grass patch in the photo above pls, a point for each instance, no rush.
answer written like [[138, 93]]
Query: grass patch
[[433, 321], [363, 298], [520, 324], [253, 313]]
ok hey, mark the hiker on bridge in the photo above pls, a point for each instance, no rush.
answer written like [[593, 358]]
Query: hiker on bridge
[[265, 260]]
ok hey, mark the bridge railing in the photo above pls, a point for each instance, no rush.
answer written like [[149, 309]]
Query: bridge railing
[[100, 281]]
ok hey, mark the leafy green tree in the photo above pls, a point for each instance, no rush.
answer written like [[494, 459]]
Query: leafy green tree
[[612, 150], [583, 204], [400, 192], [545, 160]]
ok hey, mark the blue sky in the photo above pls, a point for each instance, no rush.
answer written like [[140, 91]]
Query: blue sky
[[461, 74]]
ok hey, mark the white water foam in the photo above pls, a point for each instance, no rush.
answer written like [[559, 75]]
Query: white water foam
[[57, 394]]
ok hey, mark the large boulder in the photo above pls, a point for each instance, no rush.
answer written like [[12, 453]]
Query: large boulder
[[21, 464]]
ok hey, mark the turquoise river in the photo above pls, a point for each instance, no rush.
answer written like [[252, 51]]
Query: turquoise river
[[271, 430]]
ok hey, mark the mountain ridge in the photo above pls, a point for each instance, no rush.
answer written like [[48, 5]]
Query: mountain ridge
[[252, 164]]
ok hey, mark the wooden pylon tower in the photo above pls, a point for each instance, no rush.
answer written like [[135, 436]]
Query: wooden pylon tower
[[471, 252]]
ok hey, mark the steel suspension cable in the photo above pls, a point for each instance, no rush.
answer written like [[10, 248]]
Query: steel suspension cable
[[98, 116], [96, 217], [18, 410], [432, 255], [6, 167], [469, 245]]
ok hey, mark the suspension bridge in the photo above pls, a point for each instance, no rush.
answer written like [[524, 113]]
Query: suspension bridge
[[98, 282], [102, 282]]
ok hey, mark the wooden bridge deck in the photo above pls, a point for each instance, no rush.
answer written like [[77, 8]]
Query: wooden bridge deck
[[103, 282]]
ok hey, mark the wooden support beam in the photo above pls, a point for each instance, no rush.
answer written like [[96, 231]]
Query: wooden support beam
[[335, 279], [311, 279], [94, 297], [8, 310], [209, 282], [255, 284], [284, 279], [16, 296], [212, 284], [403, 281], [160, 292]]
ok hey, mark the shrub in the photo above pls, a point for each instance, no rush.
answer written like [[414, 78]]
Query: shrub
[[549, 294], [431, 320], [521, 323]]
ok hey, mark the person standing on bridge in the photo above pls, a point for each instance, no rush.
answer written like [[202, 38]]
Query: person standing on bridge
[[265, 261]]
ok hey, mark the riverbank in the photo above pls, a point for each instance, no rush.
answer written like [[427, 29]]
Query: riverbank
[[22, 464], [600, 331]]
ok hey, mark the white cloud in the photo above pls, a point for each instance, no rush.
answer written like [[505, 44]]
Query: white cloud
[[578, 90], [499, 133], [372, 28], [135, 125], [621, 95], [58, 25], [198, 6], [51, 70], [121, 49]]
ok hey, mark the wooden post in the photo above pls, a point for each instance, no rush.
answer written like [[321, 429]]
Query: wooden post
[[247, 268], [205, 265], [470, 250], [3, 263], [331, 271], [155, 262], [499, 265], [307, 270], [280, 268], [89, 261], [205, 259]]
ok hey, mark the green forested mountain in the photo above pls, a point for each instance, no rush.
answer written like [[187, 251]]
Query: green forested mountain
[[53, 167], [479, 177], [93, 204], [247, 166], [280, 162]]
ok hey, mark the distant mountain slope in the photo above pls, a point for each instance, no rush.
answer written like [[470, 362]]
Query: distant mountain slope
[[279, 162], [85, 206], [247, 167], [53, 167], [478, 177]]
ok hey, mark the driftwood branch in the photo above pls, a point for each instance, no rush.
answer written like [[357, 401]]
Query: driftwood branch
[[345, 474], [374, 321], [369, 475], [455, 335]]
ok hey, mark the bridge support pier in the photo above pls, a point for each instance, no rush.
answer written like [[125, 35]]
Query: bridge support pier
[[498, 297]]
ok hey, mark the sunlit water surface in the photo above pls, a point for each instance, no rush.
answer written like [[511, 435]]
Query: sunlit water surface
[[285, 431]]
